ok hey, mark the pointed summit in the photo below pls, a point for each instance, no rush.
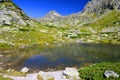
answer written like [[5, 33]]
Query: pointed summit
[[52, 15], [53, 11]]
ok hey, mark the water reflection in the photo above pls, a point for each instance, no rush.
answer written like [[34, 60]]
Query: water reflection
[[58, 57], [42, 62]]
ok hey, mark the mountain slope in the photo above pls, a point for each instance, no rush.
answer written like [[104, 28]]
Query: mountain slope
[[101, 6], [17, 29], [92, 10], [110, 20], [98, 22], [10, 14], [50, 18]]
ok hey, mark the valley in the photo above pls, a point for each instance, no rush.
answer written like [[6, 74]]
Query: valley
[[85, 40]]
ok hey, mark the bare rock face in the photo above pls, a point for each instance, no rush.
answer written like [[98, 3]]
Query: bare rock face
[[52, 14], [11, 14], [101, 6]]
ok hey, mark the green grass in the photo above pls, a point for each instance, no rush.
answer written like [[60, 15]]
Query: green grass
[[12, 73], [4, 46], [96, 72], [110, 19], [2, 78], [28, 35]]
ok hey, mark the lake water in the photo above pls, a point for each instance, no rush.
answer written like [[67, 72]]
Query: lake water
[[58, 57]]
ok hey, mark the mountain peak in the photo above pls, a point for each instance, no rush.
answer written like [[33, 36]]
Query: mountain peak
[[52, 15], [52, 11]]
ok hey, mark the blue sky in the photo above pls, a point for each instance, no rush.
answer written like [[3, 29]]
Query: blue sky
[[38, 8]]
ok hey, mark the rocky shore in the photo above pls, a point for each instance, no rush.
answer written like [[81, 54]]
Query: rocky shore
[[98, 71], [67, 74]]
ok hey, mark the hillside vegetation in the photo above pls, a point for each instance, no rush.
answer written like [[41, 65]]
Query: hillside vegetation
[[18, 30]]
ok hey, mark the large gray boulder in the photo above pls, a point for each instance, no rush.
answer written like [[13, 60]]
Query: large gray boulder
[[110, 73], [71, 73]]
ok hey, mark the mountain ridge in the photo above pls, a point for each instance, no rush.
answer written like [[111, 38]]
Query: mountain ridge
[[92, 9]]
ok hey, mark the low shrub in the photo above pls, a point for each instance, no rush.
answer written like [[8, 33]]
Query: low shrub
[[96, 72]]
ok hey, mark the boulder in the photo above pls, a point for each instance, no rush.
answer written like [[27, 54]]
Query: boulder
[[1, 56], [71, 73], [45, 76], [41, 72], [110, 73], [6, 22], [25, 70]]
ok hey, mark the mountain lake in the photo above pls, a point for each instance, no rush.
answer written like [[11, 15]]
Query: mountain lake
[[58, 57]]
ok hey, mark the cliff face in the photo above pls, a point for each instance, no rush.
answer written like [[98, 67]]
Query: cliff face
[[101, 6], [10, 14]]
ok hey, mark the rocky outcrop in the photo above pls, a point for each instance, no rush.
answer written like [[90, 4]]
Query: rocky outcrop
[[5, 0], [10, 14], [101, 6]]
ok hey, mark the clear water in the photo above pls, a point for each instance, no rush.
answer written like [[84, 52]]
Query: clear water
[[59, 57]]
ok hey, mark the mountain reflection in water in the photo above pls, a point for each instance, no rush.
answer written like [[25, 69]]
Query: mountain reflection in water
[[59, 57]]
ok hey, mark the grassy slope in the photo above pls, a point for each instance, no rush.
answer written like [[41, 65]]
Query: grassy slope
[[33, 33], [110, 19], [1, 78], [29, 35], [103, 28]]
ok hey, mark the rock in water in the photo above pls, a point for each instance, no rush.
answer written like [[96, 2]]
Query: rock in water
[[110, 73], [25, 70]]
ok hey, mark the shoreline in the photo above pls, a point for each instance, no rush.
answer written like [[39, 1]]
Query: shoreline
[[97, 71], [53, 75]]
